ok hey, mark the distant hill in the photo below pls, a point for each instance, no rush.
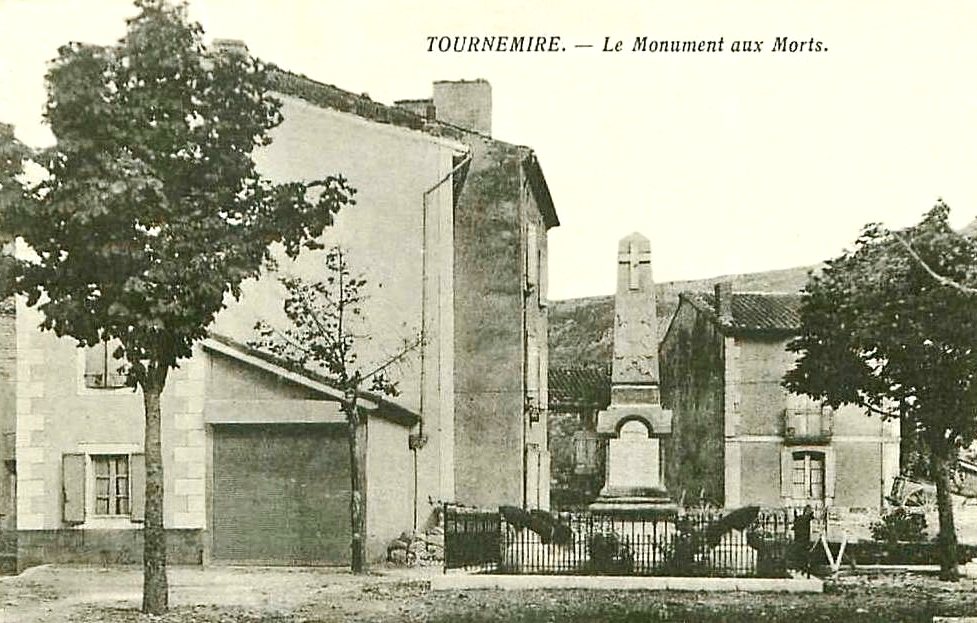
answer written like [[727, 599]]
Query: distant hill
[[581, 330]]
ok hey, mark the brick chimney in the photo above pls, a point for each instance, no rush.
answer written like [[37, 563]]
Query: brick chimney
[[464, 103], [724, 302]]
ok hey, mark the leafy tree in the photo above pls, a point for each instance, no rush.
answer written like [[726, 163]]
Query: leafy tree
[[323, 329], [152, 212], [890, 327]]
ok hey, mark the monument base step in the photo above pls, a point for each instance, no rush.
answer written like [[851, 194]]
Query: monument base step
[[634, 506]]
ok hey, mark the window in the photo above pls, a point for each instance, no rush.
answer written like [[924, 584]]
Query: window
[[807, 476], [111, 484], [586, 448], [102, 369], [806, 419]]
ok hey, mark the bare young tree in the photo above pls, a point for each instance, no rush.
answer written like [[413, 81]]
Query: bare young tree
[[321, 336]]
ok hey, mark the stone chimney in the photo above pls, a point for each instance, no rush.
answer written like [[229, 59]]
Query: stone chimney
[[724, 302], [230, 47], [464, 103], [422, 108]]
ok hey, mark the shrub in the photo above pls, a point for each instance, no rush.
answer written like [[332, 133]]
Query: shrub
[[900, 525]]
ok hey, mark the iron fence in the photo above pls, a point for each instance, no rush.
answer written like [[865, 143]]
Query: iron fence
[[744, 543], [472, 538]]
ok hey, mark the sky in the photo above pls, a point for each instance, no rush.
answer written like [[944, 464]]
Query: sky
[[729, 162]]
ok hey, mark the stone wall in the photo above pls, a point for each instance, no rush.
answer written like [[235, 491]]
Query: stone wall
[[490, 280], [8, 412], [691, 360]]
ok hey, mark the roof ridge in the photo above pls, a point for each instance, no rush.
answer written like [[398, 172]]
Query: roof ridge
[[362, 105]]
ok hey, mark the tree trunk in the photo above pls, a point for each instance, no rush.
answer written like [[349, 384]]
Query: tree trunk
[[941, 462], [357, 472], [155, 591]]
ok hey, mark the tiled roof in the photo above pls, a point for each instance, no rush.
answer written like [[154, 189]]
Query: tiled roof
[[577, 387], [755, 312]]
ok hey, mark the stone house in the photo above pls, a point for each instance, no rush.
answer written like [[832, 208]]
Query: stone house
[[738, 436], [449, 230]]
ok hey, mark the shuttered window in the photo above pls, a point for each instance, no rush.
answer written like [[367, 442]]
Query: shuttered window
[[117, 481], [102, 369], [137, 473]]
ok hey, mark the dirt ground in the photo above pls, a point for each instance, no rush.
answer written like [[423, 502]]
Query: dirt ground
[[82, 593], [279, 595]]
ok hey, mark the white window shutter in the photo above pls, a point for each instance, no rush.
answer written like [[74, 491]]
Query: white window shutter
[[786, 464], [73, 488], [137, 480], [829, 475]]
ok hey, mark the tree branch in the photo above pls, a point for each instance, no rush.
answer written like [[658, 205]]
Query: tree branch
[[290, 340], [407, 349], [940, 278], [881, 412]]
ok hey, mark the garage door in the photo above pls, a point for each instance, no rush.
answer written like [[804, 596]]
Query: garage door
[[281, 494]]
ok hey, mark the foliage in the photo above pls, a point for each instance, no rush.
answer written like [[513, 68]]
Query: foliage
[[880, 333], [610, 554], [890, 327], [900, 525], [152, 211]]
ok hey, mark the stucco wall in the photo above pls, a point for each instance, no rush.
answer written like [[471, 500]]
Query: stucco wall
[[390, 486], [761, 398], [759, 473], [705, 374], [691, 364], [858, 477], [233, 380], [489, 346], [402, 215]]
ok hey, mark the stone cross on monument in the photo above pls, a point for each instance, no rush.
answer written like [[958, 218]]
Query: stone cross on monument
[[634, 423]]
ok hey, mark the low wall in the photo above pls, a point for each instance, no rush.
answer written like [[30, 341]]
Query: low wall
[[36, 547]]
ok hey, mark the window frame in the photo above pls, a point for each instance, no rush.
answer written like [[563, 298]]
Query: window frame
[[112, 498], [808, 459], [787, 492]]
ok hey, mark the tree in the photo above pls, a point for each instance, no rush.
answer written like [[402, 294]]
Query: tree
[[153, 212], [321, 335], [880, 332]]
